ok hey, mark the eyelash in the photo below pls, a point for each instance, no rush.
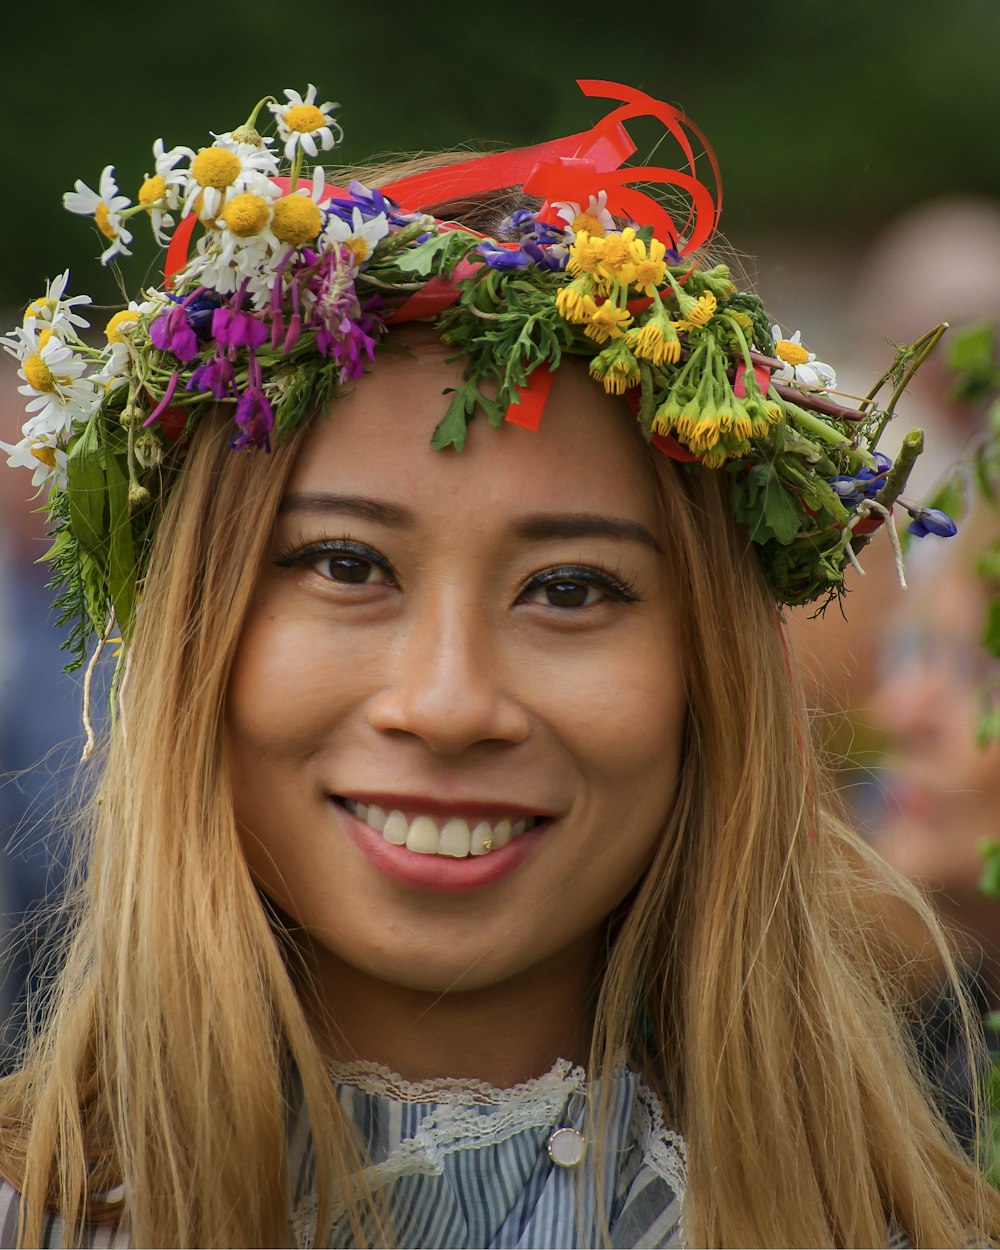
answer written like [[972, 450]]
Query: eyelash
[[613, 584], [298, 554]]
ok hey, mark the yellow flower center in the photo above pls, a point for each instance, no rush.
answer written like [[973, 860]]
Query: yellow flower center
[[588, 222], [297, 219], [38, 375], [121, 325], [37, 307], [304, 118], [102, 216], [585, 254], [791, 353], [616, 250], [649, 273], [359, 246], [152, 191], [216, 167], [246, 215], [47, 455]]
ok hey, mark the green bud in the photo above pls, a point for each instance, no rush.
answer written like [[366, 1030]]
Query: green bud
[[132, 417], [148, 450]]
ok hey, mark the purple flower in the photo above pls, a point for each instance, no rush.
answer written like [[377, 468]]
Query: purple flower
[[172, 332], [931, 521], [231, 327], [255, 419], [217, 376], [370, 200]]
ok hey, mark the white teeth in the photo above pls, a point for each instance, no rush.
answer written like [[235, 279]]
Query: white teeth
[[481, 839], [395, 829], [501, 834], [423, 837], [455, 839]]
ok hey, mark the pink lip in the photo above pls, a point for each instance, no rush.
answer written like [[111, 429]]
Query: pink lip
[[438, 873]]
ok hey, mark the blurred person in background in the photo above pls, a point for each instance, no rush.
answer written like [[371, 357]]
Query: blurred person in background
[[940, 262], [942, 785], [40, 736]]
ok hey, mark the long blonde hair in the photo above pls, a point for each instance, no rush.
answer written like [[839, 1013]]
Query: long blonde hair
[[750, 975]]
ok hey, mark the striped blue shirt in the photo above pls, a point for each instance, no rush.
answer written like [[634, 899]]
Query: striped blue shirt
[[465, 1164]]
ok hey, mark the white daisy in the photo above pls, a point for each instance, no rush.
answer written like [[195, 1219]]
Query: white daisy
[[163, 189], [799, 364], [595, 218], [361, 237], [39, 452], [241, 245], [226, 169], [105, 205], [52, 308], [58, 392], [302, 123], [114, 370]]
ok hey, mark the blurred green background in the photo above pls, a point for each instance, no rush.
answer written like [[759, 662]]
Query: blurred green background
[[828, 118]]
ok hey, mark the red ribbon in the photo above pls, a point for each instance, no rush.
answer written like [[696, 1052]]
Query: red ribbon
[[531, 399], [573, 168]]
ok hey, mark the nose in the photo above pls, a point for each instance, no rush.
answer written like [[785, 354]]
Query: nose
[[447, 686]]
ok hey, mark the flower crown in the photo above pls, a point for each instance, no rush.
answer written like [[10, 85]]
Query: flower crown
[[284, 296]]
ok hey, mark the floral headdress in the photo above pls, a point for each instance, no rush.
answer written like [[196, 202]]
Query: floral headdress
[[284, 295]]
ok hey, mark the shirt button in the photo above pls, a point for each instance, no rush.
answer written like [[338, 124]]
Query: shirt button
[[565, 1147]]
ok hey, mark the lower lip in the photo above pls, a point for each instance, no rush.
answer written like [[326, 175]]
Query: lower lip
[[439, 873]]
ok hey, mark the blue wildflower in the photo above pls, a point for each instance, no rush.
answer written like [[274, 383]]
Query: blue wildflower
[[931, 521], [503, 258], [865, 484]]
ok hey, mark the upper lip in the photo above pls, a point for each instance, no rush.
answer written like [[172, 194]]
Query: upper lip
[[422, 803]]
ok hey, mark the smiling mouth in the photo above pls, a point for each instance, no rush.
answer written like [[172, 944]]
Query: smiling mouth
[[453, 837]]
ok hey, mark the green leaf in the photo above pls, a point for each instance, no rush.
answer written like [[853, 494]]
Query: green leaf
[[771, 511], [452, 429], [991, 634], [989, 882], [87, 487], [121, 566]]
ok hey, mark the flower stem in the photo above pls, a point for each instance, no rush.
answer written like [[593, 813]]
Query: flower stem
[[896, 478]]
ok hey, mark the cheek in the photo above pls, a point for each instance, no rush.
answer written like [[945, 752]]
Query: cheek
[[625, 709], [289, 686]]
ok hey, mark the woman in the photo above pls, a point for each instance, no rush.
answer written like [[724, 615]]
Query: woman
[[439, 778]]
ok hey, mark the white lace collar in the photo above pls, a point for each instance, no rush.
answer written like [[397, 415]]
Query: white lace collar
[[430, 1126]]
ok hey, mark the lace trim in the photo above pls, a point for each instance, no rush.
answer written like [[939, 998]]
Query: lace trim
[[381, 1082], [456, 1124]]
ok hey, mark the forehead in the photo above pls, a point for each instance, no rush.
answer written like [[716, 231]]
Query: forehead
[[587, 455]]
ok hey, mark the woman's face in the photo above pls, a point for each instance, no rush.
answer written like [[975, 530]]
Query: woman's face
[[455, 718]]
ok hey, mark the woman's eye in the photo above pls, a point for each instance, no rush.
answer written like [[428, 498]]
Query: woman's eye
[[344, 563], [350, 570], [571, 588], [567, 594]]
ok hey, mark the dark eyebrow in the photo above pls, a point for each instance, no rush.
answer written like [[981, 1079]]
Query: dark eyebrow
[[347, 505], [534, 528], [586, 525]]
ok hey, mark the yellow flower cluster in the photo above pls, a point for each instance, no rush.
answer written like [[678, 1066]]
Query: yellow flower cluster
[[605, 269]]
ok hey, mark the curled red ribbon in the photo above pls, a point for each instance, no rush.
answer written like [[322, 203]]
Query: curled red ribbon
[[574, 169]]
